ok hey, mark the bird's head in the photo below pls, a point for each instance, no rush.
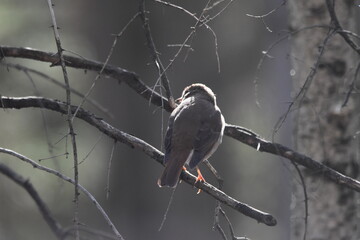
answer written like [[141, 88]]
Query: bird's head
[[198, 90]]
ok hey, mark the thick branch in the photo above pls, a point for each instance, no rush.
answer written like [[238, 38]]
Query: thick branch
[[241, 134], [253, 140], [130, 78], [45, 212], [135, 142]]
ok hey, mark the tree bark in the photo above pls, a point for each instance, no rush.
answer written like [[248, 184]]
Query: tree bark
[[323, 128]]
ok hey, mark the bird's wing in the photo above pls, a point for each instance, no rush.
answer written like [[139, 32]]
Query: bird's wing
[[208, 137], [183, 124], [180, 115], [168, 137]]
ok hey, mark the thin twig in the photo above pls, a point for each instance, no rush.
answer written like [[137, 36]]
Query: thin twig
[[67, 179], [155, 56], [214, 5], [301, 94], [352, 34], [117, 36], [187, 39], [351, 87], [218, 13], [50, 146], [203, 23], [54, 225], [69, 114], [92, 149], [215, 173], [216, 224], [334, 20], [100, 234], [94, 103], [218, 207], [56, 156], [109, 169], [303, 184], [167, 209], [261, 17], [266, 52], [231, 227]]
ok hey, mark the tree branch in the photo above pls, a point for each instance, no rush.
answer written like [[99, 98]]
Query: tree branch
[[69, 117], [44, 210], [155, 55], [241, 134], [253, 140], [120, 74], [339, 29], [65, 178], [134, 142], [52, 80]]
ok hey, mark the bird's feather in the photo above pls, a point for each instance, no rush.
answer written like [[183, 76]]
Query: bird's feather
[[208, 137]]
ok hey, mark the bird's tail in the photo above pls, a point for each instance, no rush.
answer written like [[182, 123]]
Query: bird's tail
[[171, 174]]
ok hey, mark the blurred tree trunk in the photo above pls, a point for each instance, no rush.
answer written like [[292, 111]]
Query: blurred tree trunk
[[323, 129]]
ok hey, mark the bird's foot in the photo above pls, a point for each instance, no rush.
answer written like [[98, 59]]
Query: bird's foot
[[199, 178]]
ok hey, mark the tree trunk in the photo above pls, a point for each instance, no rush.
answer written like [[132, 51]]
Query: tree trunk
[[323, 129]]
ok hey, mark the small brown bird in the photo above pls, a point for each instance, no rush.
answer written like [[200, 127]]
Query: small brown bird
[[194, 132]]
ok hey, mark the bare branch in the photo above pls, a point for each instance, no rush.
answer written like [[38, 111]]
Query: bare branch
[[135, 142], [188, 39], [203, 23], [155, 55], [57, 83], [352, 86], [334, 20], [301, 94], [130, 78], [105, 63], [218, 13], [253, 140], [241, 134], [108, 170], [65, 178], [261, 17], [266, 52], [93, 232], [69, 115], [167, 209], [44, 210], [303, 184]]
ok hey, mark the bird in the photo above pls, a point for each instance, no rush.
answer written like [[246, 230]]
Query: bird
[[195, 130]]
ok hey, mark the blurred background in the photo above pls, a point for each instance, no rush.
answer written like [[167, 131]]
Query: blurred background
[[136, 204]]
